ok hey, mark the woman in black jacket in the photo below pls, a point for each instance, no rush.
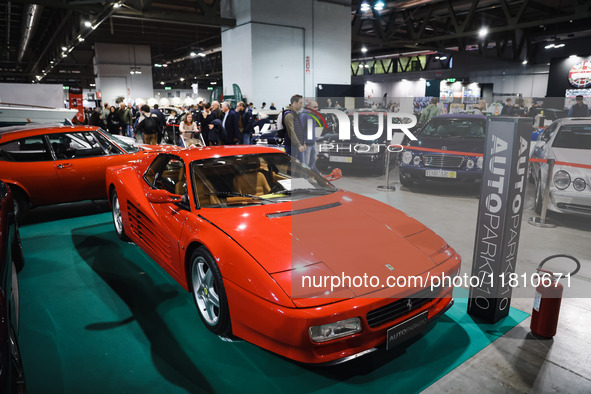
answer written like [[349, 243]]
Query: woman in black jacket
[[113, 121]]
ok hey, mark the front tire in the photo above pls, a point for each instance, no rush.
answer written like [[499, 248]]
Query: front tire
[[405, 179], [117, 218], [209, 293]]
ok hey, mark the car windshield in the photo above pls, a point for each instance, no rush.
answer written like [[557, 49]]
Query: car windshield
[[254, 179], [573, 137], [453, 128], [128, 147]]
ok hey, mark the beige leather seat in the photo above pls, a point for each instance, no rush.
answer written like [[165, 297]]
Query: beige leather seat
[[251, 181]]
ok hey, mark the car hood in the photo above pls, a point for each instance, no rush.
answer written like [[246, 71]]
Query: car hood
[[579, 156], [344, 232], [472, 145]]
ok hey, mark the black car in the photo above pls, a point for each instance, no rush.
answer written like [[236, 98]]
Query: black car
[[12, 378], [449, 148], [367, 155]]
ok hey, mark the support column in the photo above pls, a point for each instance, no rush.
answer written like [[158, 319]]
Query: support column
[[280, 48], [113, 64]]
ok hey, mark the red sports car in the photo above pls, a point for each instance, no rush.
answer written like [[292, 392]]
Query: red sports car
[[55, 164], [261, 242]]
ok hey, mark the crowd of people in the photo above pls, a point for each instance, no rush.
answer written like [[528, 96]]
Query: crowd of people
[[210, 124]]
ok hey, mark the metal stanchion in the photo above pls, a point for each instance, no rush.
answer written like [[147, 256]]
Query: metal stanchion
[[387, 187], [541, 221]]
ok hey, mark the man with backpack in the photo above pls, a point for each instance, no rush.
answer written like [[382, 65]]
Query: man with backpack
[[149, 126], [294, 137]]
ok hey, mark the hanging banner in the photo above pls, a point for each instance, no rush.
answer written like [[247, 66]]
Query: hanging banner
[[75, 102], [504, 177]]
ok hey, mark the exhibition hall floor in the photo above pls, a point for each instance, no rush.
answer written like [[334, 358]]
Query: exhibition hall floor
[[98, 316]]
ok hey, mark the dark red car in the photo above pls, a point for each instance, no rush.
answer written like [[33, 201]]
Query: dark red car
[[12, 378]]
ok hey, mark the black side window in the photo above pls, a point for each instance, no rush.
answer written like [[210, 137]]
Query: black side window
[[26, 149], [75, 145], [168, 173], [150, 175], [171, 177]]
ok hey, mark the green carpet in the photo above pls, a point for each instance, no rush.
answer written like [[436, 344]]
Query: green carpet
[[99, 316]]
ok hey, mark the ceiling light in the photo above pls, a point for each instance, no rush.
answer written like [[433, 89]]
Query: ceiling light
[[165, 65], [162, 83], [64, 54], [379, 5], [213, 83], [93, 84], [365, 6], [363, 49], [64, 48], [201, 54], [193, 54], [182, 79], [366, 66], [482, 32], [116, 5], [157, 65], [443, 58], [559, 45], [437, 57], [207, 75], [549, 46], [524, 62], [88, 24], [81, 39], [51, 62]]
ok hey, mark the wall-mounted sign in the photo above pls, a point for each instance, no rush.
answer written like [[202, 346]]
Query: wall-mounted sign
[[580, 74], [307, 64], [450, 79]]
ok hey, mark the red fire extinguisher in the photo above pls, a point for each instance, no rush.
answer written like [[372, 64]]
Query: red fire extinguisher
[[544, 316]]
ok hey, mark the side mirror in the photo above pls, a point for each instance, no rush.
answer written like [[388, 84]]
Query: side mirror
[[334, 175], [159, 196]]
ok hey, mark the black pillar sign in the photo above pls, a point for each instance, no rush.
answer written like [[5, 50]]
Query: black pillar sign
[[504, 177]]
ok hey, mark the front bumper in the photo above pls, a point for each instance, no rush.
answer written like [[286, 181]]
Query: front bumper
[[284, 330], [419, 174], [570, 201]]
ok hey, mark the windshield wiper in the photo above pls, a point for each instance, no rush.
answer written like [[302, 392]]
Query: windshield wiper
[[236, 194]]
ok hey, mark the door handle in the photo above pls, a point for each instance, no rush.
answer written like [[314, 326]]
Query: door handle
[[60, 166]]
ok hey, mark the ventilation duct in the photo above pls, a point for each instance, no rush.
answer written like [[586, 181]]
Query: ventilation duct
[[30, 22]]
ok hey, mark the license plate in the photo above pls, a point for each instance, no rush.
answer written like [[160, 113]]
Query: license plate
[[341, 159], [406, 330], [441, 173]]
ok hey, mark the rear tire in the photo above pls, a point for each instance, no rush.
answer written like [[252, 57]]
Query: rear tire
[[21, 204], [117, 218]]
